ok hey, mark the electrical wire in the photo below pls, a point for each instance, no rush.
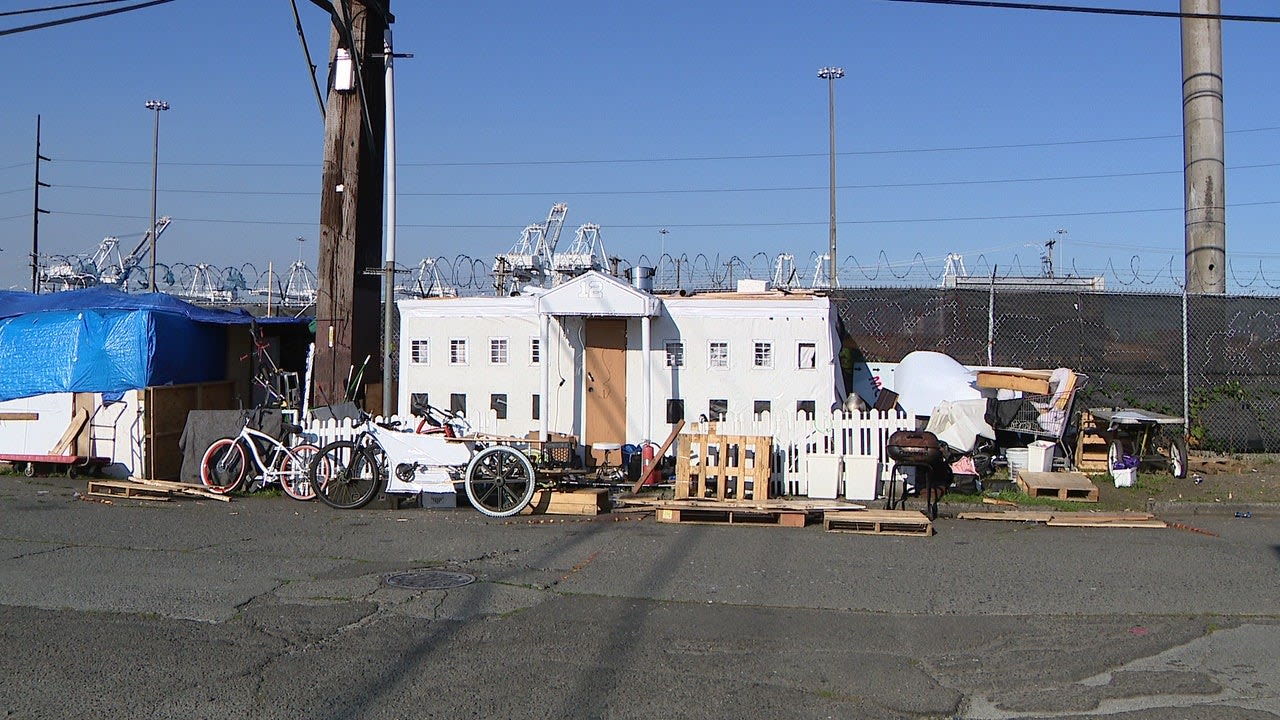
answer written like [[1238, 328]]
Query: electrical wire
[[1095, 10], [53, 8], [78, 18]]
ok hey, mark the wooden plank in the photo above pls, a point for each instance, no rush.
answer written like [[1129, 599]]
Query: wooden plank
[[1029, 381], [183, 488], [591, 501], [135, 491], [1119, 519], [1038, 516], [19, 416], [67, 442], [657, 457], [1062, 485], [878, 522]]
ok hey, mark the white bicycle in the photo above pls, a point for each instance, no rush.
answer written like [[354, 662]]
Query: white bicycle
[[226, 463]]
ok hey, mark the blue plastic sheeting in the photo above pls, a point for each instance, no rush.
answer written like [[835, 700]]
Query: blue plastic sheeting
[[103, 340]]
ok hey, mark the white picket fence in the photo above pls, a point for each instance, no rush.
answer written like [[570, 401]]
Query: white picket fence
[[795, 439]]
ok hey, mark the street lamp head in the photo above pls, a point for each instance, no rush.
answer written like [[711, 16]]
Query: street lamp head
[[157, 105], [831, 73]]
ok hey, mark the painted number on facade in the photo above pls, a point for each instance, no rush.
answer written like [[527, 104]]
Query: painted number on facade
[[591, 289]]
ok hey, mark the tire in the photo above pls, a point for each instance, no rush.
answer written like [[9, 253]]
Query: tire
[[345, 476], [1116, 449], [223, 466], [295, 472], [29, 470], [1174, 448], [499, 481]]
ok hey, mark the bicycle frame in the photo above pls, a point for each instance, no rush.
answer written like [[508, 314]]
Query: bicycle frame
[[269, 467]]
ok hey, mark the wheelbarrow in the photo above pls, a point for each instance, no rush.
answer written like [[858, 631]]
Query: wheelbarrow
[[1159, 441]]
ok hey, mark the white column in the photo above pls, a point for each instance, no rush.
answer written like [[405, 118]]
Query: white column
[[544, 360], [646, 365]]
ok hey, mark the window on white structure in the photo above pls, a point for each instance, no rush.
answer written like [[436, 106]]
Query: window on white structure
[[806, 407], [717, 410], [458, 351], [675, 354], [675, 410], [418, 404], [763, 356], [498, 404], [535, 351], [499, 351], [537, 408], [718, 354], [807, 356], [761, 407], [458, 404], [420, 352]]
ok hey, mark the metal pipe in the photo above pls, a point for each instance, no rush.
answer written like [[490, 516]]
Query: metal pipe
[[831, 74], [388, 319]]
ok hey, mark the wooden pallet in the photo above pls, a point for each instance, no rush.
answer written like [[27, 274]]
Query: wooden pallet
[[132, 490], [734, 468], [589, 501], [878, 522], [779, 515], [1062, 485]]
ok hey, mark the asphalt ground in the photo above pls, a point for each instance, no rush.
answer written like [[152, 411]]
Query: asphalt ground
[[270, 608]]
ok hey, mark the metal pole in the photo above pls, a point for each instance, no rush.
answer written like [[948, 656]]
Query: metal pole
[[156, 106], [388, 320], [35, 218], [830, 74]]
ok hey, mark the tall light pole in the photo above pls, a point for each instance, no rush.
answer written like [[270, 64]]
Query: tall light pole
[[831, 74], [157, 106]]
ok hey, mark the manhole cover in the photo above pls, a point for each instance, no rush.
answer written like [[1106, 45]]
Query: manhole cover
[[429, 579]]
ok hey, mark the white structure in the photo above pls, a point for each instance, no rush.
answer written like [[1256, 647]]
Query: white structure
[[606, 362]]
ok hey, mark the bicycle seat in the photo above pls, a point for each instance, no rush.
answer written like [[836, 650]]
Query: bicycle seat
[[290, 428]]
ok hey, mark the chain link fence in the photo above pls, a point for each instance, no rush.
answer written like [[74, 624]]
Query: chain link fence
[[1214, 360]]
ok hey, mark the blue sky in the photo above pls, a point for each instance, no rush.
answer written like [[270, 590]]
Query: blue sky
[[976, 131]]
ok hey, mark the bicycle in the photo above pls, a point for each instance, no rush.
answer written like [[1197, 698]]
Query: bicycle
[[226, 462], [347, 474]]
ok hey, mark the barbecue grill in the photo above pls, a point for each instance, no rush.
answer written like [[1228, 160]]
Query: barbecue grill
[[922, 450]]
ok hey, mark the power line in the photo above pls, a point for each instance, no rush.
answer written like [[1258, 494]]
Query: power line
[[52, 8], [674, 191], [78, 18], [1095, 10], [690, 158]]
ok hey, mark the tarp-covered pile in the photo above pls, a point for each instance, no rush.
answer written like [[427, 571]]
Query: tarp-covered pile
[[103, 340]]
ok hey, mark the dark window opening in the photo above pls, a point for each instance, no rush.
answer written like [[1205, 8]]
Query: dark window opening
[[498, 404], [675, 411], [458, 404]]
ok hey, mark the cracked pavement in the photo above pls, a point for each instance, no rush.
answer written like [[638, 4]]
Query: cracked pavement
[[270, 608]]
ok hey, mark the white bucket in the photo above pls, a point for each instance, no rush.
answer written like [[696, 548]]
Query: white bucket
[[1125, 478], [1017, 458]]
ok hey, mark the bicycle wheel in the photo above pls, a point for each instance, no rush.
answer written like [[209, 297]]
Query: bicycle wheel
[[344, 475], [499, 481], [295, 471], [223, 466]]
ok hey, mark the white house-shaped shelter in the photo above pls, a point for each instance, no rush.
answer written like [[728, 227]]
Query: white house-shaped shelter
[[609, 363]]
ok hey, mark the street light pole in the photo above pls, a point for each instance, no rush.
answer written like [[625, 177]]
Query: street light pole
[[157, 106], [831, 74]]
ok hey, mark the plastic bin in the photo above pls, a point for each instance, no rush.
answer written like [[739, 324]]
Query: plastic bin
[[1127, 477], [1018, 458], [1040, 456]]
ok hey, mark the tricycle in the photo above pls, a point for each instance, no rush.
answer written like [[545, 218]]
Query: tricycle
[[498, 478], [1158, 440]]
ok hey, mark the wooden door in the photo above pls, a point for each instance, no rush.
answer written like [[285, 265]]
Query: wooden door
[[604, 376]]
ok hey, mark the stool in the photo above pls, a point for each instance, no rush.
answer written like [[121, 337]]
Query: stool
[[607, 468]]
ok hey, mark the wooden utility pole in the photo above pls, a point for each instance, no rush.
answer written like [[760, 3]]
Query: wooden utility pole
[[347, 299], [1204, 154]]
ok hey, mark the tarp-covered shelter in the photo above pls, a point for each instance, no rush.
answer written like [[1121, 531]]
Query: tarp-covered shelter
[[102, 340]]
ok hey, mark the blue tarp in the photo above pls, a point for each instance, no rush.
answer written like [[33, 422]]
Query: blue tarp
[[103, 340]]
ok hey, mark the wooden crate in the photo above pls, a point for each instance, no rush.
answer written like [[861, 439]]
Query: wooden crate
[[712, 513], [589, 501], [730, 468], [1062, 485], [878, 522]]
